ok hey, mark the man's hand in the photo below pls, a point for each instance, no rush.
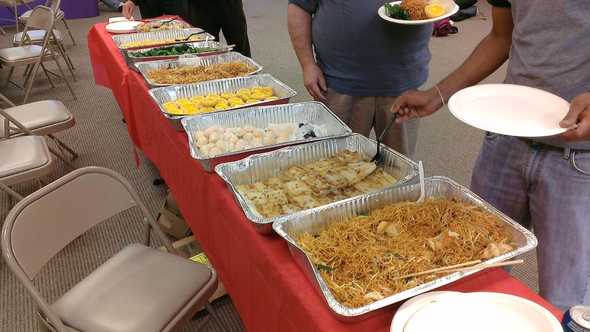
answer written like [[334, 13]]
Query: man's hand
[[578, 118], [128, 9], [416, 104], [314, 81]]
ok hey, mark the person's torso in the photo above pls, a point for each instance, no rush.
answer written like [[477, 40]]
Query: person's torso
[[551, 46], [551, 49], [356, 48]]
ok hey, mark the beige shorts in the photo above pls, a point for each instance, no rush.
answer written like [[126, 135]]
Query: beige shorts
[[362, 114]]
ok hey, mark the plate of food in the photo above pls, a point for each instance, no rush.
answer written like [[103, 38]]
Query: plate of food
[[417, 12], [162, 25], [509, 109]]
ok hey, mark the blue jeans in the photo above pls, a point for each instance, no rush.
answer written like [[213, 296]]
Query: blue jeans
[[549, 189], [112, 4]]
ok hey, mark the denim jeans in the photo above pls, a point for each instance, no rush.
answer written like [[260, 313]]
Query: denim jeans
[[547, 189], [112, 4]]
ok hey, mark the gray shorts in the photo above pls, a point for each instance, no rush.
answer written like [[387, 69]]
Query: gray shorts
[[362, 114], [547, 189]]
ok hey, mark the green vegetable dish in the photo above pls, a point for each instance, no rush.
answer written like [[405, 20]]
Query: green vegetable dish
[[396, 11], [172, 51]]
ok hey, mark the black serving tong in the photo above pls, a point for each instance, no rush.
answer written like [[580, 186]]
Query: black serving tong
[[189, 36], [378, 156]]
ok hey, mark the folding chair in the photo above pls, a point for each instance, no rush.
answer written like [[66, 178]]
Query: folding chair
[[45, 118], [12, 6], [33, 56], [59, 16], [140, 289], [24, 158]]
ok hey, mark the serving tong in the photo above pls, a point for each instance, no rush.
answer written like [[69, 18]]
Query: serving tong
[[378, 157]]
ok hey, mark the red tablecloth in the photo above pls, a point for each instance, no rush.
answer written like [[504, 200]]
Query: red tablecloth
[[266, 286]]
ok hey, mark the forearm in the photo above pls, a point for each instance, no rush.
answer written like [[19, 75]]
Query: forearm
[[487, 57], [299, 24]]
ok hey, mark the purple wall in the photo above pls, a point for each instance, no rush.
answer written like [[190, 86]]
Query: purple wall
[[72, 8]]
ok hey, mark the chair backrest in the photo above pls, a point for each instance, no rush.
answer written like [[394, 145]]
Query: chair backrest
[[43, 223], [42, 18], [53, 4]]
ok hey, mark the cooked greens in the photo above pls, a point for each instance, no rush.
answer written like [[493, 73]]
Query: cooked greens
[[172, 50], [396, 11]]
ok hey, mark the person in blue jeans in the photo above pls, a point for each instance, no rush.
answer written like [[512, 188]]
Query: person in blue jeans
[[114, 4], [543, 183]]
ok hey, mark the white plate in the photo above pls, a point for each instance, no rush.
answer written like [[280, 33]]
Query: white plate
[[509, 109], [411, 306], [118, 19], [451, 10], [122, 27], [483, 312]]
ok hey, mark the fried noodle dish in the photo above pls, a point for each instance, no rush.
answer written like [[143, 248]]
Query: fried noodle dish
[[362, 258], [415, 9], [195, 74]]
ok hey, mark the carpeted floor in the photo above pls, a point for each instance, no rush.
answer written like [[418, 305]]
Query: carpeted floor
[[446, 146]]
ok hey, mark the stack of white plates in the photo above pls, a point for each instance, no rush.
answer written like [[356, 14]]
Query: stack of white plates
[[123, 26], [468, 312]]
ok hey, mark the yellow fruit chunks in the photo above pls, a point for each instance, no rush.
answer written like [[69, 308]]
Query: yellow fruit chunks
[[219, 102]]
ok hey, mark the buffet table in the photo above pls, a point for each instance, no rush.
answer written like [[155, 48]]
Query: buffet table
[[266, 286]]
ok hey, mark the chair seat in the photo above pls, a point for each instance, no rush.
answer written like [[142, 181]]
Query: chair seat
[[36, 36], [42, 117], [11, 54], [23, 154], [140, 289]]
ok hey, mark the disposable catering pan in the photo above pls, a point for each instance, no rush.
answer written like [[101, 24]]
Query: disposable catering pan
[[145, 67], [314, 221], [260, 117], [262, 166], [174, 92], [216, 48], [167, 37]]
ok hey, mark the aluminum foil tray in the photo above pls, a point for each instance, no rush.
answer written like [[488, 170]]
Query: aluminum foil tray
[[262, 166], [315, 221], [217, 46], [174, 92], [260, 117], [145, 67], [123, 39]]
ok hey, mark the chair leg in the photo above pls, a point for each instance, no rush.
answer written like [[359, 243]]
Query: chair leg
[[48, 76], [27, 71], [62, 158], [2, 31], [57, 141], [63, 76], [16, 15], [69, 31], [11, 192], [29, 81], [67, 59], [9, 77]]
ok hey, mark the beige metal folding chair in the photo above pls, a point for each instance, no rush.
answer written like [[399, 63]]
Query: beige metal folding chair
[[33, 56], [23, 158], [140, 289], [59, 16], [12, 5], [45, 118], [37, 36]]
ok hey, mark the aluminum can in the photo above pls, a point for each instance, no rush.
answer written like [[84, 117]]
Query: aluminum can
[[577, 319]]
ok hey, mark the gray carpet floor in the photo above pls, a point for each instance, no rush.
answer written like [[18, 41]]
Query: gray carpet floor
[[446, 146]]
